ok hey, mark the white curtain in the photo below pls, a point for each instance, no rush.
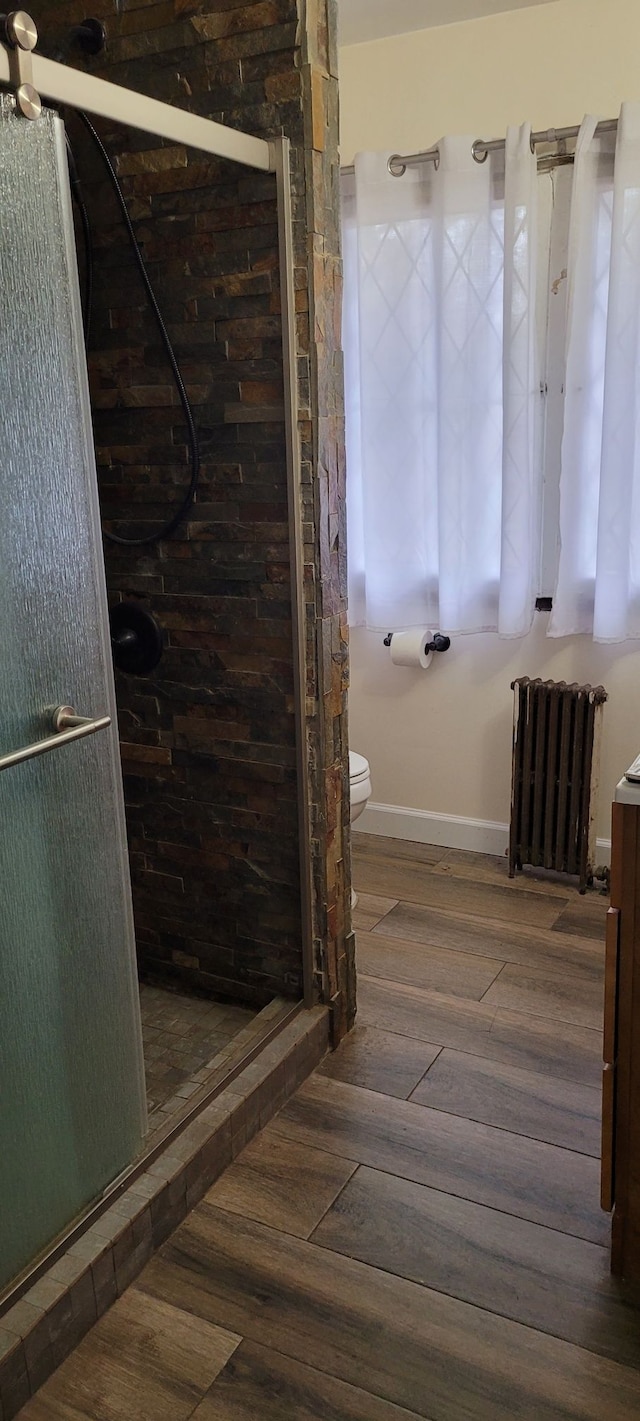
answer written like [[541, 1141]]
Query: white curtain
[[442, 386], [598, 586]]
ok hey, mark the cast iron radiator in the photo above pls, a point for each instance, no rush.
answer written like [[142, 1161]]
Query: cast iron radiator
[[556, 744]]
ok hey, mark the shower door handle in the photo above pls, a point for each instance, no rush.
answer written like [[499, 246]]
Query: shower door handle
[[67, 727]]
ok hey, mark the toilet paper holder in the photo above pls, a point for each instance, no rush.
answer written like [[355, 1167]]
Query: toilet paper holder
[[439, 642]]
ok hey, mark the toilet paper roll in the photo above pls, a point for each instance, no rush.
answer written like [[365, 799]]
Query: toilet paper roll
[[409, 648]]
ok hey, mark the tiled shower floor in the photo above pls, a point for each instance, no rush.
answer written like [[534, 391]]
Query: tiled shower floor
[[182, 1035]]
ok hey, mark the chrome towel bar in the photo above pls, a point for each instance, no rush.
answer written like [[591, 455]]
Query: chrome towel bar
[[67, 727]]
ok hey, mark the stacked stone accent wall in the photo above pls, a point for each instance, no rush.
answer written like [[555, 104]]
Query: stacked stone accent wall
[[208, 740]]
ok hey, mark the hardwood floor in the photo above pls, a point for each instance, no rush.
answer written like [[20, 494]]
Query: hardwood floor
[[526, 1102], [510, 1172], [264, 1384], [473, 975], [146, 1359], [380, 1060], [418, 1233], [515, 1038], [576, 999], [288, 1189]]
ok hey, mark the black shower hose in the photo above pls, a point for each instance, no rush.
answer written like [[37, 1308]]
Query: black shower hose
[[194, 452]]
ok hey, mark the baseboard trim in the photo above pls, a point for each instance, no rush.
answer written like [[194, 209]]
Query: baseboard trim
[[450, 831], [603, 851]]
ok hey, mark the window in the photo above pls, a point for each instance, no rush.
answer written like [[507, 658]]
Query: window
[[492, 371]]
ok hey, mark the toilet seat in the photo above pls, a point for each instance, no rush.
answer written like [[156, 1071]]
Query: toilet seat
[[358, 768], [359, 794], [359, 784]]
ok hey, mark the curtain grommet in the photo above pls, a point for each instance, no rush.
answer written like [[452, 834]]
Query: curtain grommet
[[395, 166]]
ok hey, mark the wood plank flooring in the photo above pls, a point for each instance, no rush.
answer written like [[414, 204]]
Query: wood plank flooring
[[522, 1101], [146, 1359], [403, 879], [288, 1189], [418, 1233], [380, 1060], [265, 1385], [576, 999], [510, 1267], [459, 932], [473, 975], [506, 1171], [515, 1038]]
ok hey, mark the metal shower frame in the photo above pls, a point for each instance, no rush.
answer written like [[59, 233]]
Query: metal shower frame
[[34, 78]]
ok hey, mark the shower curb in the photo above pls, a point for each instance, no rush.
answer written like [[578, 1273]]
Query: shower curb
[[52, 1317]]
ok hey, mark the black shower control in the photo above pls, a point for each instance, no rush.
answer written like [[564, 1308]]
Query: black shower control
[[90, 36], [136, 639]]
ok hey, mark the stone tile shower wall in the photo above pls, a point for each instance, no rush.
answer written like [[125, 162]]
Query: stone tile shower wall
[[208, 741]]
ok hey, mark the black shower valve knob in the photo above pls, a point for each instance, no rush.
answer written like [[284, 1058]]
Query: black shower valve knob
[[136, 639], [90, 36]]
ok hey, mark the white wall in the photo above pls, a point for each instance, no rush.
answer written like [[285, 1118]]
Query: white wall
[[440, 741], [549, 64]]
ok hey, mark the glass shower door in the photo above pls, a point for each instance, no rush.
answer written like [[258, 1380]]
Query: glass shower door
[[72, 1112]]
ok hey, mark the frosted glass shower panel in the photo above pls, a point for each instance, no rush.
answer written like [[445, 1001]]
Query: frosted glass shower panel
[[71, 1075]]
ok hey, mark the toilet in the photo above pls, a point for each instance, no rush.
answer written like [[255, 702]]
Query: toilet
[[359, 793]]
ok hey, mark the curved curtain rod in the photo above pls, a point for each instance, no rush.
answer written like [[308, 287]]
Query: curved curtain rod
[[398, 163]]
